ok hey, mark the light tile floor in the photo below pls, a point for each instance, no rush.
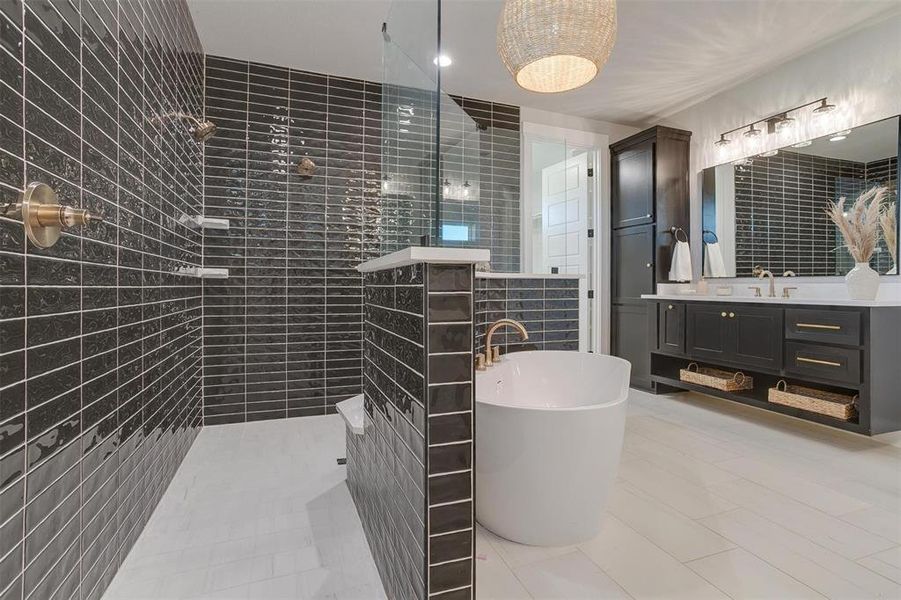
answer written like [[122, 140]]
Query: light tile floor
[[713, 500]]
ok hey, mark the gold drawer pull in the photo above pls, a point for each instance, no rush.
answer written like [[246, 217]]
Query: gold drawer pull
[[818, 326], [815, 361]]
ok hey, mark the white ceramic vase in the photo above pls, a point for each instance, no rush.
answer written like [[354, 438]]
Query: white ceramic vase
[[863, 282]]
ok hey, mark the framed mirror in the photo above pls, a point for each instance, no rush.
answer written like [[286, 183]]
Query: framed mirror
[[769, 209]]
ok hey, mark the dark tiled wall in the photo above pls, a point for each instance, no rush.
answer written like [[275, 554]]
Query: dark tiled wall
[[548, 307], [411, 471], [283, 334], [100, 347], [780, 222]]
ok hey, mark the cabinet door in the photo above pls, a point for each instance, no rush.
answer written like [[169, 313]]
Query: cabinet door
[[708, 331], [631, 340], [671, 327], [633, 263], [757, 335], [632, 191]]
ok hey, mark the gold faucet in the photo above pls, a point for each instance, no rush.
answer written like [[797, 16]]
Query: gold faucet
[[760, 273], [492, 355]]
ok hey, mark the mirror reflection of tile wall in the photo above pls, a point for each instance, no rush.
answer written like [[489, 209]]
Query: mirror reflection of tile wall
[[770, 210]]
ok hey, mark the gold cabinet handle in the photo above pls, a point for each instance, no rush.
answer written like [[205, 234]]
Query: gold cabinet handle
[[819, 326], [815, 361]]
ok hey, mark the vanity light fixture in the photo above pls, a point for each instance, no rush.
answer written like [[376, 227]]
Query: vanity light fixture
[[785, 123], [777, 123], [752, 132], [466, 187], [803, 144], [840, 136], [447, 186], [385, 181], [824, 107]]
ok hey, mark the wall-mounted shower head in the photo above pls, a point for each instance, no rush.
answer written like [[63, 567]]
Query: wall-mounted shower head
[[200, 130], [203, 130]]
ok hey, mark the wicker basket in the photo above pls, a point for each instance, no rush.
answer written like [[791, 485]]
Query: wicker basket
[[840, 406], [726, 381]]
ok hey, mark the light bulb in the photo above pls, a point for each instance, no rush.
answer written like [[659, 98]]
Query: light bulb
[[443, 60], [466, 187], [824, 108], [752, 132]]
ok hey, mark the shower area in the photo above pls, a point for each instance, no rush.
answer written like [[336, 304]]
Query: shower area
[[205, 274]]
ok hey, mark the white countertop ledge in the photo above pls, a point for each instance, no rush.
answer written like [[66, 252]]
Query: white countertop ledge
[[421, 254], [779, 300], [493, 275]]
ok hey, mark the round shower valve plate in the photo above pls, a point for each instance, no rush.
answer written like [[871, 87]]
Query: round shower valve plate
[[36, 195]]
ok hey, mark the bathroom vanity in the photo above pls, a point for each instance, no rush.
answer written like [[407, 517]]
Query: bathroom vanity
[[847, 347]]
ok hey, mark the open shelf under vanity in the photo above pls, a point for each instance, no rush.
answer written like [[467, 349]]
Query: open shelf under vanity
[[845, 350]]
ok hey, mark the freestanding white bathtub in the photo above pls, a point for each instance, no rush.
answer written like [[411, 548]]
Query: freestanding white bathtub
[[549, 431]]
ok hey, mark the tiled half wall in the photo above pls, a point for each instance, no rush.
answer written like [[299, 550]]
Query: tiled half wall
[[411, 471]]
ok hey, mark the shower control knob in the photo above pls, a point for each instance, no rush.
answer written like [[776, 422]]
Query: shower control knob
[[43, 217]]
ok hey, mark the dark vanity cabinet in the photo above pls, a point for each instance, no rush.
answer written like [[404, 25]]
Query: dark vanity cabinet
[[849, 350], [737, 334], [649, 196]]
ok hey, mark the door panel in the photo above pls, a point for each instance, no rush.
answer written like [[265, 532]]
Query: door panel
[[707, 331], [671, 325], [633, 186], [631, 340], [633, 263], [757, 336], [564, 209]]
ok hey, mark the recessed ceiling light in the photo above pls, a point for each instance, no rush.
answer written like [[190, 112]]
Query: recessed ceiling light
[[840, 136], [803, 144], [769, 153], [443, 60]]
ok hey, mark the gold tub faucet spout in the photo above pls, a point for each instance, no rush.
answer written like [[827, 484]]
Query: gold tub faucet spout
[[492, 355]]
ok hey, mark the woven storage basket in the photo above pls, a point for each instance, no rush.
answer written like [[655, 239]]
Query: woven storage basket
[[727, 381], [840, 406]]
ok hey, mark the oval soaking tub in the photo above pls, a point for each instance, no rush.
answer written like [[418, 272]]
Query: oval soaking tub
[[549, 431]]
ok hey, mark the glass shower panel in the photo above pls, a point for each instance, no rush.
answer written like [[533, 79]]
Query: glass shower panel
[[431, 175], [459, 221], [409, 126]]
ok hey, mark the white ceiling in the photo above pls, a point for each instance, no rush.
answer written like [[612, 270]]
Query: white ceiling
[[669, 54]]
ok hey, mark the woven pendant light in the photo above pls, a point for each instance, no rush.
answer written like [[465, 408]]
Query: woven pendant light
[[553, 46]]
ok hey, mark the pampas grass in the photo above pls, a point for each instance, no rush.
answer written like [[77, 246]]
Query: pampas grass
[[890, 229], [859, 224]]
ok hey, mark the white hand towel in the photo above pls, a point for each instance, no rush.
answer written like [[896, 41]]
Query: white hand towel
[[714, 266], [680, 270]]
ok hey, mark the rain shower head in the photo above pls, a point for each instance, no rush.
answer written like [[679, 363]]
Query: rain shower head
[[203, 130]]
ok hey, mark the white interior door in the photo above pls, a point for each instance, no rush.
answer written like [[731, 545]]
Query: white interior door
[[564, 207]]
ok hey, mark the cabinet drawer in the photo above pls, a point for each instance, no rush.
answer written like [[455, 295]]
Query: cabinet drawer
[[824, 362], [830, 326]]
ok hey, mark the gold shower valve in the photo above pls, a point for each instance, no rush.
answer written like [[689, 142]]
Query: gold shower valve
[[43, 217]]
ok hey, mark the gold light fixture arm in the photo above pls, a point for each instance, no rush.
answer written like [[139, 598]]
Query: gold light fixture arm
[[43, 218]]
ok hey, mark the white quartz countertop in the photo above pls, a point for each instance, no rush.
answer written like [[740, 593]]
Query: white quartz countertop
[[778, 300], [431, 255], [493, 275]]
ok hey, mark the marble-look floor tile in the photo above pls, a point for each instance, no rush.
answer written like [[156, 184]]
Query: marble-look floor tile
[[742, 575], [570, 576]]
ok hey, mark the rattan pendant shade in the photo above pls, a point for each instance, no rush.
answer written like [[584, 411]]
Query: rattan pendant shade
[[553, 46]]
